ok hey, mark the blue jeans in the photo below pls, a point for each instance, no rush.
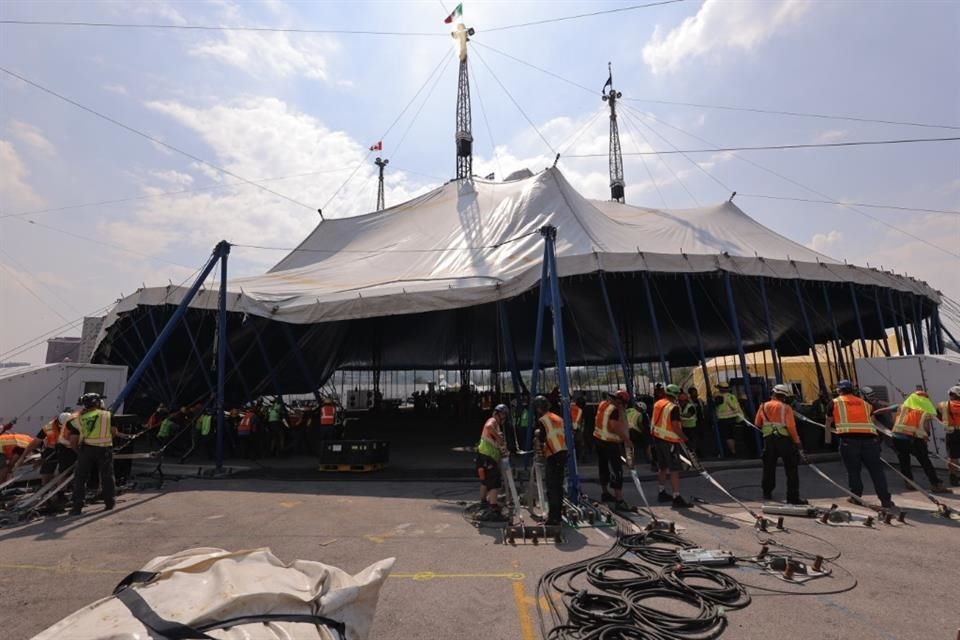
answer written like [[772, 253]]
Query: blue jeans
[[857, 453]]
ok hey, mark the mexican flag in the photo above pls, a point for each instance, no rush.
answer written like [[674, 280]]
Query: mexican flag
[[456, 13]]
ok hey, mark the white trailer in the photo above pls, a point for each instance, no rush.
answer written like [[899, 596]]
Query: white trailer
[[896, 377], [35, 395]]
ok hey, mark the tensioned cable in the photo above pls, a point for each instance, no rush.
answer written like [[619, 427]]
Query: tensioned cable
[[486, 122], [856, 204], [426, 99], [811, 189], [515, 103], [796, 114], [37, 341], [633, 140], [582, 15], [580, 133], [151, 138], [379, 251], [165, 194], [780, 147], [385, 133], [36, 295], [675, 175]]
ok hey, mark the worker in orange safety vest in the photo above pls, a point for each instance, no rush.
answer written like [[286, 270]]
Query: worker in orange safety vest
[[780, 441], [949, 414], [550, 437], [911, 430], [611, 436], [14, 449], [667, 431]]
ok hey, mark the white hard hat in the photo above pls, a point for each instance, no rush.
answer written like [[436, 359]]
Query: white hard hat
[[64, 417], [784, 389], [954, 390], [867, 391]]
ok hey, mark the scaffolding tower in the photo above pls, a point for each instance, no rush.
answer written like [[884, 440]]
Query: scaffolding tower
[[464, 136], [615, 154], [381, 164]]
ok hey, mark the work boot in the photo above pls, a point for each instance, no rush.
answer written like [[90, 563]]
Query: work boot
[[856, 501], [797, 501], [680, 503], [606, 497], [768, 497], [74, 512], [108, 506], [621, 505], [888, 504], [939, 488], [663, 496]]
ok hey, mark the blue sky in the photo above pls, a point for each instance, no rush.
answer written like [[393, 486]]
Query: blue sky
[[278, 106]]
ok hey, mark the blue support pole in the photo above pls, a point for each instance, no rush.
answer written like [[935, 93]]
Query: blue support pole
[[883, 325], [703, 363], [917, 324], [151, 381], [656, 327], [616, 336], [298, 354], [856, 313], [221, 351], [550, 259], [168, 328], [735, 323], [841, 361], [777, 372], [907, 340], [938, 330], [537, 348], [810, 339]]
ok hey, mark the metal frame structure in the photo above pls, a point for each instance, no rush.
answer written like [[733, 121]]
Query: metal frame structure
[[617, 184], [381, 165]]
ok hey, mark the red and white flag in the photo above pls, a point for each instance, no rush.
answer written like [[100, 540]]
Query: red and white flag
[[456, 13], [377, 147]]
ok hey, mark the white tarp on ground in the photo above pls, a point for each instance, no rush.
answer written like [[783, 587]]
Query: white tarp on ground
[[471, 243], [199, 586]]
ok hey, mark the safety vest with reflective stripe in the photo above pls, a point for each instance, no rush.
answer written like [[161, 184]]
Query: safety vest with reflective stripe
[[576, 417], [688, 415], [774, 418], [635, 420], [10, 442], [328, 414], [729, 407], [203, 424], [94, 428], [556, 440], [661, 426], [64, 436], [601, 427], [910, 422], [489, 444], [950, 415], [246, 424], [51, 433], [852, 415]]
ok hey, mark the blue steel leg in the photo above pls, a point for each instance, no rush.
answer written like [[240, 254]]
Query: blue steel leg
[[809, 330], [885, 345], [656, 328], [856, 313], [221, 352], [907, 340], [616, 336], [573, 478], [917, 324], [735, 323], [777, 373], [703, 362], [168, 328], [537, 347]]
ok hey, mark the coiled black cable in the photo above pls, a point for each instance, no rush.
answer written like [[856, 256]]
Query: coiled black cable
[[729, 592], [656, 547], [641, 576], [586, 609], [708, 622]]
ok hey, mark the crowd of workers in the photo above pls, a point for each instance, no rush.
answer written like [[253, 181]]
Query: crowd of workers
[[623, 432]]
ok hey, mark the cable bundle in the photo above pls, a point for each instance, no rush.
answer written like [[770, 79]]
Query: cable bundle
[[598, 574], [728, 593], [656, 547]]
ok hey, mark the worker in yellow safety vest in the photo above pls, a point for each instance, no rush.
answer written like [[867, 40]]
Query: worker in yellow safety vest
[[780, 440], [911, 430], [551, 439], [667, 431], [611, 436], [490, 451], [95, 433], [729, 416], [50, 435], [949, 414]]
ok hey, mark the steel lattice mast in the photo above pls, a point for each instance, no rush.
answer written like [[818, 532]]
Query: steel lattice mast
[[464, 136], [381, 164], [615, 154]]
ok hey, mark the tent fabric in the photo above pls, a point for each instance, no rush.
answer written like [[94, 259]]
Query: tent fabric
[[206, 585], [473, 242]]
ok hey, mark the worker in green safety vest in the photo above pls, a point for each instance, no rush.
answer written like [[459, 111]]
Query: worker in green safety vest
[[95, 432], [729, 416], [490, 451]]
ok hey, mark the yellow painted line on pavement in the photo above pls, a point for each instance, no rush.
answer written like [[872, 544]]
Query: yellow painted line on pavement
[[422, 576], [523, 611], [57, 568]]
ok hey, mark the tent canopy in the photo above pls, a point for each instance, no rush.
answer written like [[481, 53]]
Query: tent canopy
[[417, 285]]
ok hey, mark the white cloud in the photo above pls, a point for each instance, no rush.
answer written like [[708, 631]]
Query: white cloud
[[825, 242], [116, 88], [718, 27], [15, 191], [32, 137], [830, 135], [271, 54]]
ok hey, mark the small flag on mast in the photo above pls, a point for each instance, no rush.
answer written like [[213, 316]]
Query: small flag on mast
[[456, 13], [608, 83], [377, 147]]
